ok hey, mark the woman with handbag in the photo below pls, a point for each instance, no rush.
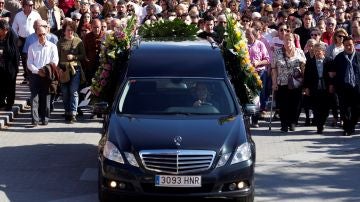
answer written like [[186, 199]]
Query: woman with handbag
[[287, 67], [71, 52]]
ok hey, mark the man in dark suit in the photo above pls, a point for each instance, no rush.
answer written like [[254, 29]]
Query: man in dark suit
[[315, 84], [345, 74]]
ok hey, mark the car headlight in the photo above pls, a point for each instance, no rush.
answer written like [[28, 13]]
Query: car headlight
[[224, 158], [242, 153], [131, 159], [112, 153]]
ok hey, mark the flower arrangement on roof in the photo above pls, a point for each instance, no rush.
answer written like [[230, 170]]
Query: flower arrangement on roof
[[115, 44], [236, 43], [168, 28]]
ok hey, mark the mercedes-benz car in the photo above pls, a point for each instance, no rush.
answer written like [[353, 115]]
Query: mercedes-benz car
[[176, 127]]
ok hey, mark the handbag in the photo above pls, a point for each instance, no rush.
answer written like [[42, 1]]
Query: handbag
[[295, 79], [64, 73]]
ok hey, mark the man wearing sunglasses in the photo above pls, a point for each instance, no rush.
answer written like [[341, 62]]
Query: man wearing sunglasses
[[327, 36], [40, 54]]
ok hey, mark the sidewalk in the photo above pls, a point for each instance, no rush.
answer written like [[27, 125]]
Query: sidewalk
[[22, 93]]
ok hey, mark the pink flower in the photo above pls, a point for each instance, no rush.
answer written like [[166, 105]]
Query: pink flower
[[105, 74], [120, 35], [103, 82]]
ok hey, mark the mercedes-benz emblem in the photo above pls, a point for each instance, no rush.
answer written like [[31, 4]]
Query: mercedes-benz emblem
[[178, 140]]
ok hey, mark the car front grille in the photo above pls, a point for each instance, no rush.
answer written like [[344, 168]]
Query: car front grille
[[177, 161]]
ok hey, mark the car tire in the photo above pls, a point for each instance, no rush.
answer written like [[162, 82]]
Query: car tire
[[248, 198]]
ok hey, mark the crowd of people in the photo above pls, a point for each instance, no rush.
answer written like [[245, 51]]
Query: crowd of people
[[306, 52]]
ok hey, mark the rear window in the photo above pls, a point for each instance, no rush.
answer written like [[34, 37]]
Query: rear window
[[176, 96]]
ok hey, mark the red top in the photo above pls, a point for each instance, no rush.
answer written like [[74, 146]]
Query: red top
[[65, 5], [327, 37]]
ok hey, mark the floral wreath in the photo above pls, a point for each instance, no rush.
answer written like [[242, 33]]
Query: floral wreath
[[237, 44], [113, 45]]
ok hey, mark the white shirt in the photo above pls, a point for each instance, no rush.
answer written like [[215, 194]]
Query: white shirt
[[23, 25], [39, 56]]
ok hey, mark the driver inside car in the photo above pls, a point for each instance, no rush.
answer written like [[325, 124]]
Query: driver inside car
[[202, 95]]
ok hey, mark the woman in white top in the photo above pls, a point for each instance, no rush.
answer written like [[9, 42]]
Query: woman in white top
[[288, 61]]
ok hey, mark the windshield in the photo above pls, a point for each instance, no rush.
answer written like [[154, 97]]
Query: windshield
[[176, 96]]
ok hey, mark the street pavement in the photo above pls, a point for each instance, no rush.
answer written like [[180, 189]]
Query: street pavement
[[58, 162]]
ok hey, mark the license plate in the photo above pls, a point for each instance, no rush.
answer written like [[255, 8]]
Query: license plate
[[177, 181]]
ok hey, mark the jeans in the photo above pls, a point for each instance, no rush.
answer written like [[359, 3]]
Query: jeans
[[264, 93], [70, 94]]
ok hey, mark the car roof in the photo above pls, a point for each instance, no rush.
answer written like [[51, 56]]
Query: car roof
[[180, 58]]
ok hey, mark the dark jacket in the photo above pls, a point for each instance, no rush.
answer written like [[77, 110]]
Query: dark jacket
[[339, 66], [52, 77], [11, 53], [311, 76]]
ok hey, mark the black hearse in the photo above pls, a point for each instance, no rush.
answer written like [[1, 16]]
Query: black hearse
[[176, 127]]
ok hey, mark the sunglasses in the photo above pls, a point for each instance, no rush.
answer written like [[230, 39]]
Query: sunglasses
[[331, 24], [283, 30], [314, 34], [341, 36]]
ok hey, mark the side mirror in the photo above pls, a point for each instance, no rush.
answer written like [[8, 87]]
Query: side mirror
[[250, 109], [101, 108]]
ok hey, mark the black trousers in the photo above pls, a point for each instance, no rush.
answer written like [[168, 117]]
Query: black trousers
[[23, 57], [7, 88], [349, 101], [289, 102], [321, 104], [40, 98]]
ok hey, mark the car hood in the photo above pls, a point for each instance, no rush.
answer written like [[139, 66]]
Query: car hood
[[198, 133]]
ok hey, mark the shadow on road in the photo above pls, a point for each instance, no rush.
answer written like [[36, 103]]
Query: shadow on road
[[309, 166], [46, 172]]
